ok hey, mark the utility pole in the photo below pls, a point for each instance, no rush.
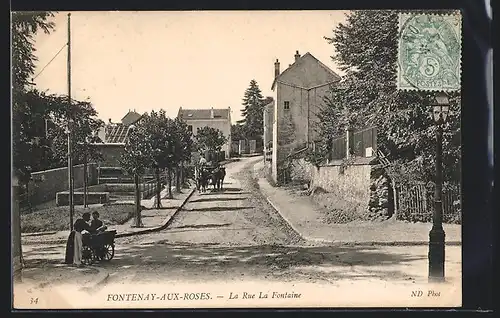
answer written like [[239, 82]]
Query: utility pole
[[70, 124]]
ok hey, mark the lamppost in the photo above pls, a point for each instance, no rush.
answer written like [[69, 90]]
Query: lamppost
[[440, 111]]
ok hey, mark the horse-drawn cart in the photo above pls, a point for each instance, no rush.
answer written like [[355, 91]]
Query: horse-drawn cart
[[209, 174], [98, 247]]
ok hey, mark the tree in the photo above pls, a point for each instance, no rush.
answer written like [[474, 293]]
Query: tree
[[238, 132], [26, 147], [25, 26], [26, 117], [183, 148], [31, 148], [170, 159], [161, 137], [366, 46], [210, 139], [85, 127], [136, 158], [253, 111]]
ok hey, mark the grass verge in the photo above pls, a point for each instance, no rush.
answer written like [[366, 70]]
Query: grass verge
[[57, 218]]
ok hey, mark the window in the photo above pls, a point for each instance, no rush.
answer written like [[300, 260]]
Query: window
[[190, 128], [286, 105]]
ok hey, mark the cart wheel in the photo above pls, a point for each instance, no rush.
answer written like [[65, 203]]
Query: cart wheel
[[87, 256], [108, 251]]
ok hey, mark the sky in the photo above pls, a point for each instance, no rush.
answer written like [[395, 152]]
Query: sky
[[146, 61]]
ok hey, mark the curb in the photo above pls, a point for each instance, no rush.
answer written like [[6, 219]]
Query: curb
[[164, 225], [350, 243], [284, 218], [38, 234], [126, 234], [58, 241]]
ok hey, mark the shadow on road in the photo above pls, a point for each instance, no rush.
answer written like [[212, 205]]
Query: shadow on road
[[200, 226], [219, 209], [286, 262], [215, 199], [224, 189]]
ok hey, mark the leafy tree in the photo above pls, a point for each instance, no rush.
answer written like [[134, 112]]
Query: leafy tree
[[85, 127], [210, 139], [253, 111], [25, 26], [136, 159], [161, 136], [238, 132], [29, 146], [366, 46], [28, 150], [183, 148]]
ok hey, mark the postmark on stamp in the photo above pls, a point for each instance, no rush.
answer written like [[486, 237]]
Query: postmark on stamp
[[429, 52]]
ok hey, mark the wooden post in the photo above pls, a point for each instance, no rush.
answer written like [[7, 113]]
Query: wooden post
[[70, 146], [395, 198], [85, 181], [349, 141], [138, 221]]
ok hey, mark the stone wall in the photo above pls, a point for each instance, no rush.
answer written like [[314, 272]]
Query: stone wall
[[47, 183], [359, 182], [351, 181], [62, 198]]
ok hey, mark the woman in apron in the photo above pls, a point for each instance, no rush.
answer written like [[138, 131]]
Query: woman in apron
[[74, 245]]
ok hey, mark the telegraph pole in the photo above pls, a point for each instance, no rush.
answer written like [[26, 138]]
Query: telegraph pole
[[70, 122]]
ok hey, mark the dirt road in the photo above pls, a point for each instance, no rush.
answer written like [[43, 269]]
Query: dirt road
[[236, 236]]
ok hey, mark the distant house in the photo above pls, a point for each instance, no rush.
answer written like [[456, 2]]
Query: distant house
[[114, 136], [219, 118], [298, 91]]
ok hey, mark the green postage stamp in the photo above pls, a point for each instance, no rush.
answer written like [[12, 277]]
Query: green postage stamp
[[429, 52]]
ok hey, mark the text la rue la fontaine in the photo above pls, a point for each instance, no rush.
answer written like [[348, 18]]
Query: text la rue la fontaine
[[262, 295]]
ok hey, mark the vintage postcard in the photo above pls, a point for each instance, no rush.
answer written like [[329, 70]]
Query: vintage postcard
[[236, 159]]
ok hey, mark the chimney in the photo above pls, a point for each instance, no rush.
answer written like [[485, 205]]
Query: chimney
[[297, 55], [276, 68], [212, 112]]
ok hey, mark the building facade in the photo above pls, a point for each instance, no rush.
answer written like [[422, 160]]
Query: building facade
[[114, 136], [218, 118], [299, 92]]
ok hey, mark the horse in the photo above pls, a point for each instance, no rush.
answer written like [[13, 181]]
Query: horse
[[218, 177], [202, 180]]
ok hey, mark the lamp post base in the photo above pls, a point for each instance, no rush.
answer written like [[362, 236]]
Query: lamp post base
[[436, 255]]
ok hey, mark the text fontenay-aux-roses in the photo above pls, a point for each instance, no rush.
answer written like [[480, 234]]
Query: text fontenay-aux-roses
[[197, 296]]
